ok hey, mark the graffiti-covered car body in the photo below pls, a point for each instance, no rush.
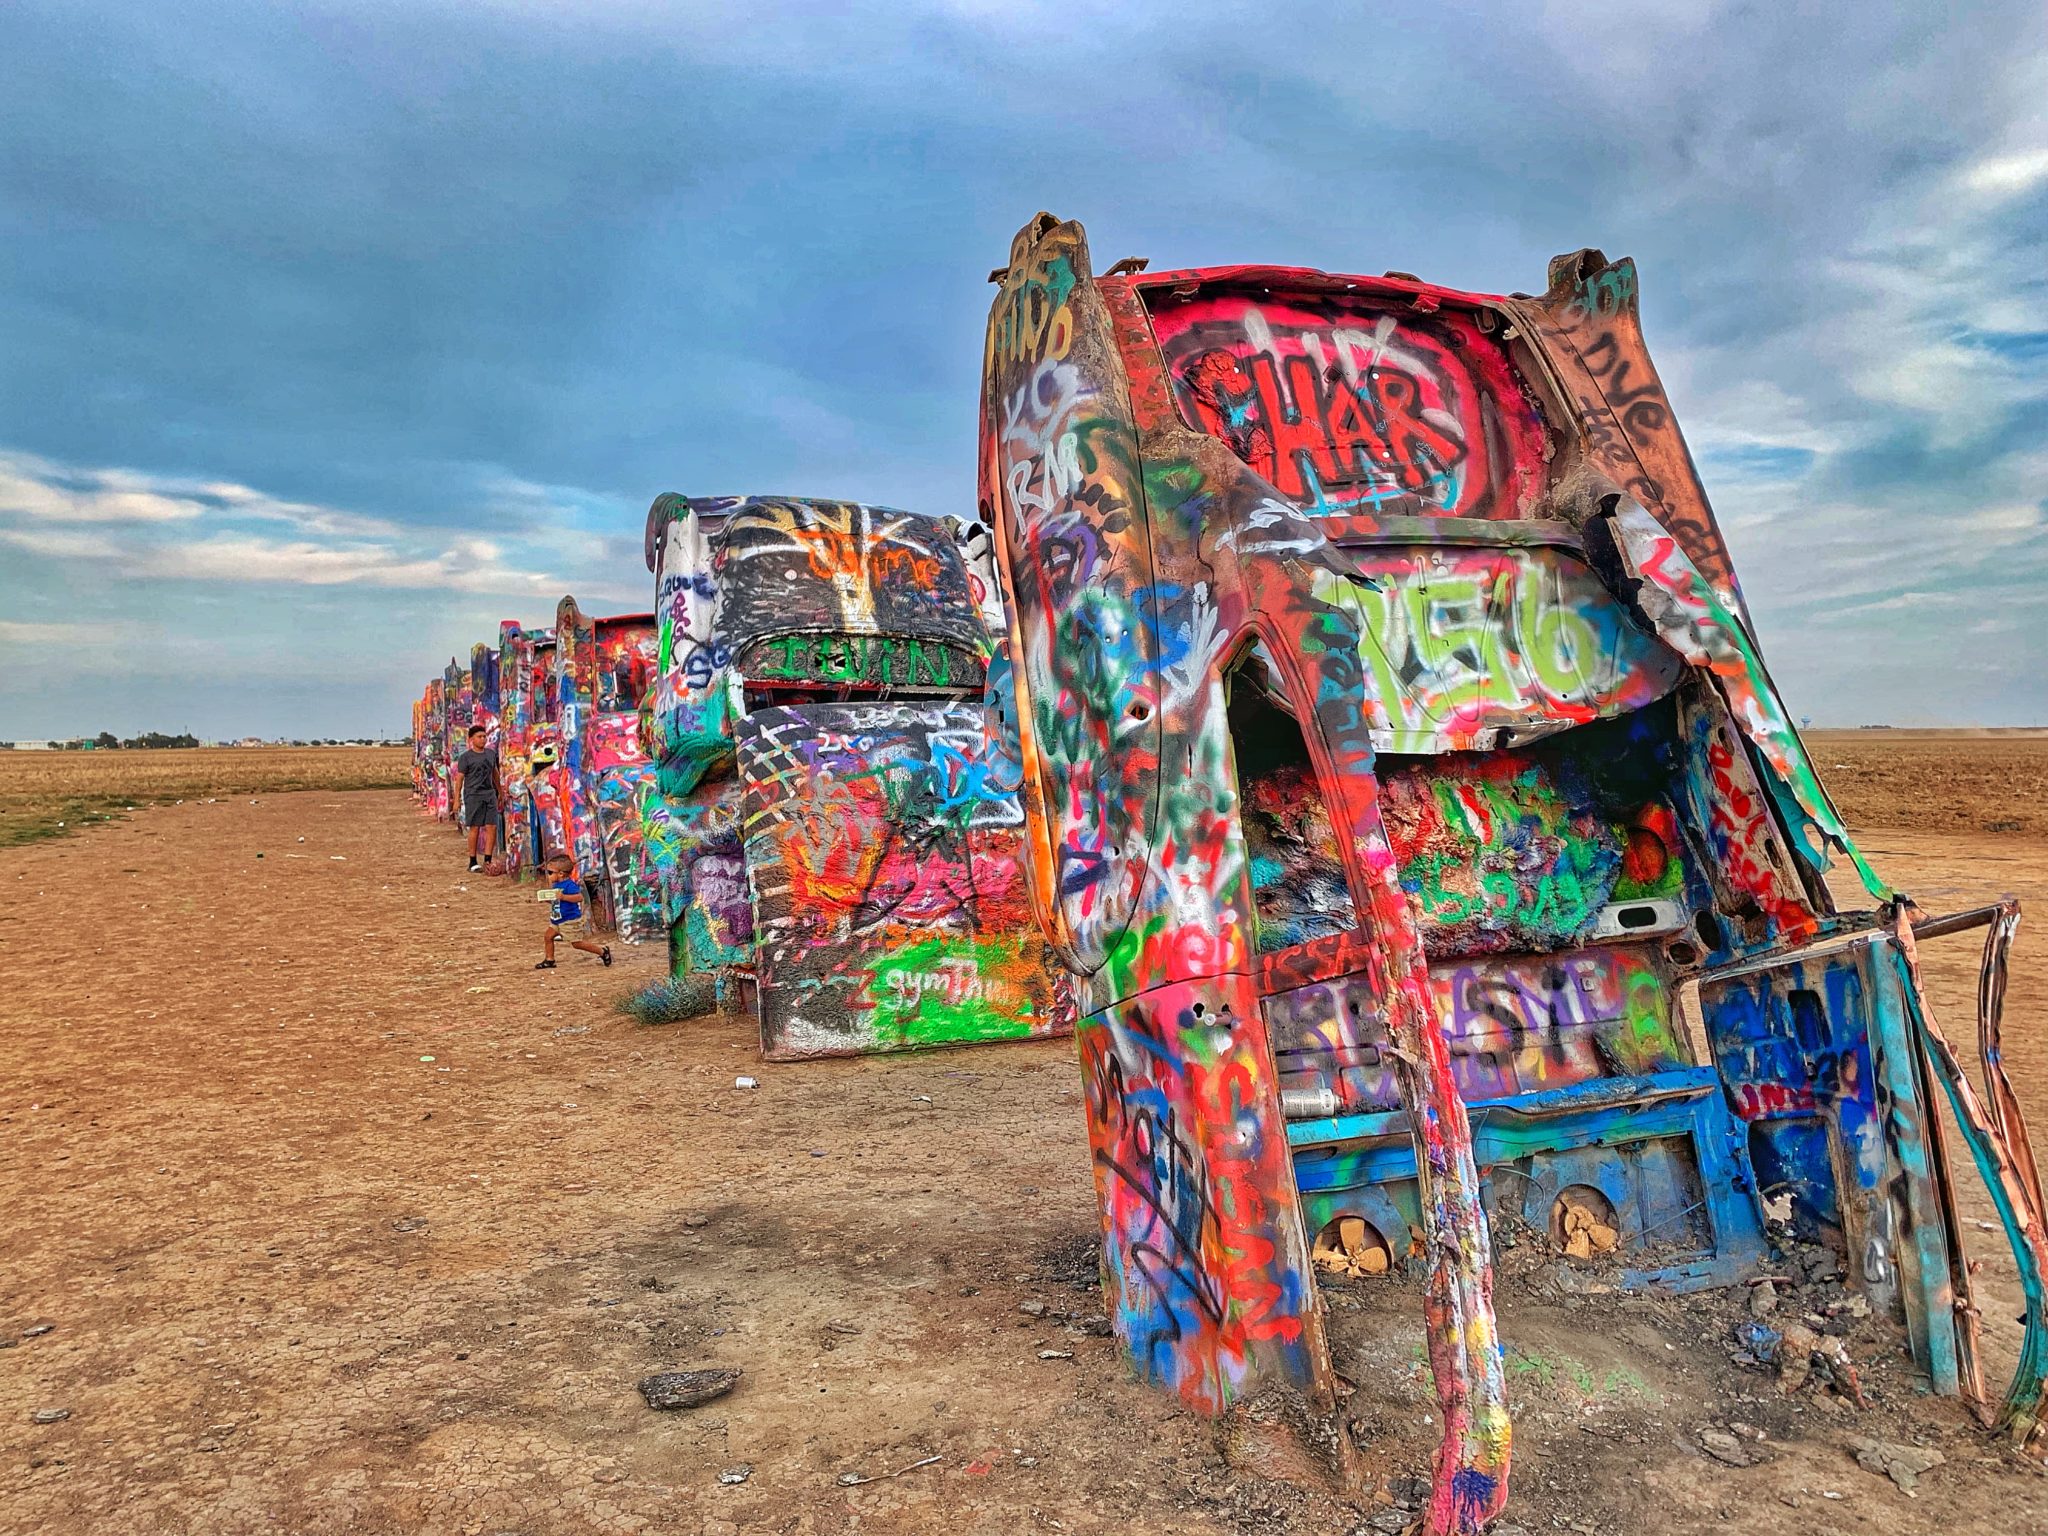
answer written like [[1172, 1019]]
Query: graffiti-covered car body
[[834, 806], [617, 767], [546, 829], [518, 676], [485, 705], [1397, 754], [458, 707], [429, 781], [602, 668]]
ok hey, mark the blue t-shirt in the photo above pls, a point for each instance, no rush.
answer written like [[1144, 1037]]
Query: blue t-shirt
[[568, 903]]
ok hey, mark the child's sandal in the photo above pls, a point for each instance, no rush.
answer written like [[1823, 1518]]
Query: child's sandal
[[543, 965], [606, 957]]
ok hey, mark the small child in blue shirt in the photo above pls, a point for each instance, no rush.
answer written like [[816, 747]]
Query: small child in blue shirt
[[567, 919]]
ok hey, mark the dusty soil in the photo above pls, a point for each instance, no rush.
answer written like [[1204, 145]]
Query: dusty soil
[[1938, 781], [49, 794], [343, 1219]]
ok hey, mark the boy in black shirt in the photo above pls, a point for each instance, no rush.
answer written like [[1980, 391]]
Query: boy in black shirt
[[476, 789]]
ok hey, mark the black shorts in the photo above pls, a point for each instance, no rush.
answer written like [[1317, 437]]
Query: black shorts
[[479, 813]]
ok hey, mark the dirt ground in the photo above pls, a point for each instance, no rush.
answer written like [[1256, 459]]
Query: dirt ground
[[1938, 781], [344, 1220], [53, 794]]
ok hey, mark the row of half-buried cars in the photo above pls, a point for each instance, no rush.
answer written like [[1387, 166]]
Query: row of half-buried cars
[[796, 771], [1399, 793]]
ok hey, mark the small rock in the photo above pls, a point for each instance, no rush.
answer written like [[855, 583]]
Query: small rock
[[410, 1224], [1055, 1354], [1031, 1308], [1391, 1520], [49, 1416], [732, 1476], [37, 1330], [1724, 1447], [696, 1219], [1409, 1492], [1763, 1299], [688, 1389], [1903, 1464]]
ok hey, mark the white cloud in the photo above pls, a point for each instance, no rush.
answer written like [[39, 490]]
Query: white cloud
[[2009, 175], [58, 544], [467, 566], [36, 488], [46, 491], [128, 525], [27, 633]]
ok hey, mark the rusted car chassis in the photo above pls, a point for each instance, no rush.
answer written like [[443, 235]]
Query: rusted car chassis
[[1398, 758]]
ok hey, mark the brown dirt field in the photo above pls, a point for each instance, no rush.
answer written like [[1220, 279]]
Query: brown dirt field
[[347, 1221], [46, 794], [1937, 781]]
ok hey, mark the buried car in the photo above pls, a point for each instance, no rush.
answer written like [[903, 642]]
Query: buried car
[[602, 670], [833, 807], [524, 657], [1427, 843]]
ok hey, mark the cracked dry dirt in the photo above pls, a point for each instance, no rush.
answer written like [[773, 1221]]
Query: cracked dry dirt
[[303, 1279]]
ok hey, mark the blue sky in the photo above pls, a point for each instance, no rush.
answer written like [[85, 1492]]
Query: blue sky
[[331, 334]]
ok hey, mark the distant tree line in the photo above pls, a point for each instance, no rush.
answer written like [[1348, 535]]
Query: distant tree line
[[106, 740]]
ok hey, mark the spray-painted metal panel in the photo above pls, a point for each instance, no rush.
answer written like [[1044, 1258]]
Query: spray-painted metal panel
[[1476, 647], [516, 675], [889, 905], [791, 571], [616, 763], [1515, 1024], [1348, 401], [568, 794], [875, 894], [1125, 611]]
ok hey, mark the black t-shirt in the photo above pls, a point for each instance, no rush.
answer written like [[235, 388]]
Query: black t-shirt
[[479, 770]]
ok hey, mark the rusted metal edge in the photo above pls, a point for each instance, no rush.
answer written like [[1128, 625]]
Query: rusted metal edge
[[2005, 1163], [1834, 944]]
